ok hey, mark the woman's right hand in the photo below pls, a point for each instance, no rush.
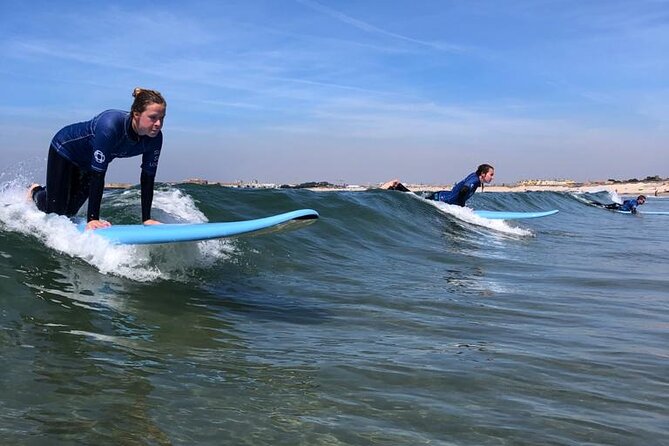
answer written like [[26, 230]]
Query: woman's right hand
[[97, 224]]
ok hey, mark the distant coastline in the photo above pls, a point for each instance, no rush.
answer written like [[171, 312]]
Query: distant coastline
[[650, 186]]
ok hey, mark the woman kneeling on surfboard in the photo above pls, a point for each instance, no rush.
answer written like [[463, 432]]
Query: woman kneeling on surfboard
[[80, 154], [461, 192]]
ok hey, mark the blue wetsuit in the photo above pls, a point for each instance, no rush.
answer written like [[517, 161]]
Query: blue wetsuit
[[629, 205], [91, 145], [460, 193], [78, 159]]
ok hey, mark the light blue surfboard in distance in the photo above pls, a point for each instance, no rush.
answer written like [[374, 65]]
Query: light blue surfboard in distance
[[645, 212], [504, 215], [191, 232]]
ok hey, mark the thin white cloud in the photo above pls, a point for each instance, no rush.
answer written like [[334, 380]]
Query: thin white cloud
[[364, 26], [305, 74]]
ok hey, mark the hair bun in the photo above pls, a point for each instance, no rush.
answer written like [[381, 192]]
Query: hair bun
[[136, 92]]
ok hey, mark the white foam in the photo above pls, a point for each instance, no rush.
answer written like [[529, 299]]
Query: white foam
[[173, 205], [615, 197], [581, 195], [140, 263], [467, 215]]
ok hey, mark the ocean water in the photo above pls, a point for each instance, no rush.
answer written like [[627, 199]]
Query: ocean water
[[390, 321]]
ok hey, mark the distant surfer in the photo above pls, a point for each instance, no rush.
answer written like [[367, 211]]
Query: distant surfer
[[80, 154], [627, 205], [460, 193]]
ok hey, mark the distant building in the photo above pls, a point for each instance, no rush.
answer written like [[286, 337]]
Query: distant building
[[196, 181], [118, 186], [566, 183]]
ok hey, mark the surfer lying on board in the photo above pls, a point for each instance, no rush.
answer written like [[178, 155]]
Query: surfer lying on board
[[628, 205], [80, 154], [461, 192]]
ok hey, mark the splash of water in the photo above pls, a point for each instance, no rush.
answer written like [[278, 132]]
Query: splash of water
[[140, 263], [467, 215]]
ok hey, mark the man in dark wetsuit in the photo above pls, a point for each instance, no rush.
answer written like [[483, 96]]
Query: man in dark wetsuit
[[80, 154], [461, 192], [627, 205]]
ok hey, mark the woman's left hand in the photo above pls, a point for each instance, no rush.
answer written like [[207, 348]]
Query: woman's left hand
[[152, 222], [97, 224]]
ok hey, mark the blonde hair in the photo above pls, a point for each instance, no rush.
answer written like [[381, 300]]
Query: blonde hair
[[144, 98]]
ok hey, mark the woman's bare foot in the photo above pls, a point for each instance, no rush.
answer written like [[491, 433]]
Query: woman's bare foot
[[31, 191], [395, 185], [392, 184]]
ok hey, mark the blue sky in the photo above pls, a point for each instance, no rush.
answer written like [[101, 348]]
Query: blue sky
[[353, 91]]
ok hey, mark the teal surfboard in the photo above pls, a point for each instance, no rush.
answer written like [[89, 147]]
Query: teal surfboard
[[191, 232], [504, 215]]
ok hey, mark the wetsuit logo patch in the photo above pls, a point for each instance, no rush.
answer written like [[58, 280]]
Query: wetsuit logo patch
[[99, 156]]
